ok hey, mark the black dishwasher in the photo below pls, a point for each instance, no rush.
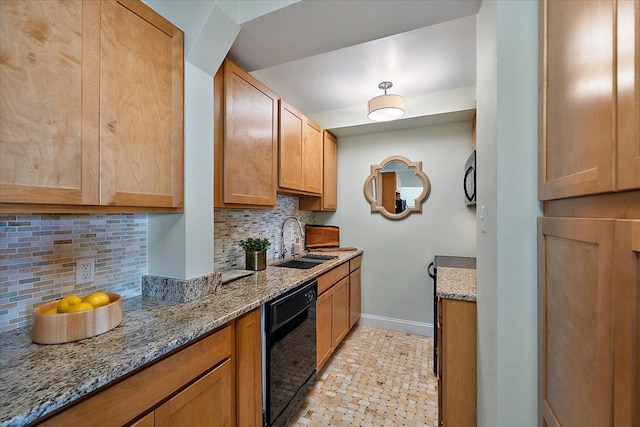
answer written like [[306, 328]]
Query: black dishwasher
[[290, 349]]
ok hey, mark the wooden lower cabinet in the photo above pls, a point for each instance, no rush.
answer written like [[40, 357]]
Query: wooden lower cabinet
[[148, 420], [354, 297], [336, 308], [589, 332], [340, 314], [249, 370], [324, 314], [206, 403], [626, 329], [457, 389], [197, 386]]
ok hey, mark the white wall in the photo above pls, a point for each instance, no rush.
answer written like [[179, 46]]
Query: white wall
[[395, 283], [507, 185]]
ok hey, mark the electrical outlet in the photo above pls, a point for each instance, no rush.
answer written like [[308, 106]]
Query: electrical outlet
[[85, 270]]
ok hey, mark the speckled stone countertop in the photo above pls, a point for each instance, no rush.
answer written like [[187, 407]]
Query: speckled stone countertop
[[456, 283], [38, 379]]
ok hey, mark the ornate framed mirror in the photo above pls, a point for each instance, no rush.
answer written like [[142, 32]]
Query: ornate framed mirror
[[397, 187]]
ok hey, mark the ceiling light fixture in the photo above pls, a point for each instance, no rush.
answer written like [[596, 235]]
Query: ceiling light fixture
[[385, 107]]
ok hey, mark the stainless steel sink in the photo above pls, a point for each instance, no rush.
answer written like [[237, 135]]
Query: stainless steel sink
[[305, 262]]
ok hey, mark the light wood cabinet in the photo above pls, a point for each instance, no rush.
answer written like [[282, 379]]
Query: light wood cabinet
[[626, 330], [292, 128], [97, 119], [340, 315], [588, 277], [312, 155], [576, 313], [148, 420], [354, 291], [335, 308], [249, 369], [328, 201], [628, 86], [457, 371], [245, 140], [589, 143], [198, 380], [300, 152], [206, 403], [324, 316]]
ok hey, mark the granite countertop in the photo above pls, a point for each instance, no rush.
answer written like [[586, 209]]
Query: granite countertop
[[456, 283], [38, 379]]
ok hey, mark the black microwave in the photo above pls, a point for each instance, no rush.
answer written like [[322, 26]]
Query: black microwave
[[469, 183]]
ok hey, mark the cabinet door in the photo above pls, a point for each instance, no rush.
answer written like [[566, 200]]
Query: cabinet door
[[330, 167], [354, 297], [628, 167], [141, 107], [292, 129], [576, 101], [246, 154], [458, 363], [324, 315], [626, 371], [206, 403], [575, 321], [49, 95], [340, 318], [249, 370], [146, 421], [312, 151], [328, 200]]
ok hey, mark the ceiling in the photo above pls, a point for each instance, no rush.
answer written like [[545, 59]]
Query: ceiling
[[327, 55]]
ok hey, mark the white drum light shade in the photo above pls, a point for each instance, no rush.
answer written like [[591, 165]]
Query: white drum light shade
[[384, 108]]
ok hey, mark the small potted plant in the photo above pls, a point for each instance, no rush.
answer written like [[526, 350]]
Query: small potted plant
[[255, 252]]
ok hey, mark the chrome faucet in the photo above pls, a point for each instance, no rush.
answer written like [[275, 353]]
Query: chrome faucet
[[284, 250]]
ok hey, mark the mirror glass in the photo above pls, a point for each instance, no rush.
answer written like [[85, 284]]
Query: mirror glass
[[397, 187]]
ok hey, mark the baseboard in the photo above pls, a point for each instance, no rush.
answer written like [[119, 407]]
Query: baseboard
[[411, 327]]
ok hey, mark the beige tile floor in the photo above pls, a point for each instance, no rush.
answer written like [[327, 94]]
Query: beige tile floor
[[376, 377]]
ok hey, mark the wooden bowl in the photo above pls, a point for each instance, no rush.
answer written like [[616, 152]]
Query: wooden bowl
[[67, 327]]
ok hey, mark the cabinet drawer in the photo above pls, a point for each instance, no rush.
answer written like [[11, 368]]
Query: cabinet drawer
[[330, 278], [135, 394], [354, 263]]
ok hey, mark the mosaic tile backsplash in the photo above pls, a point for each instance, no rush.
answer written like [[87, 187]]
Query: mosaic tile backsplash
[[233, 225], [38, 253]]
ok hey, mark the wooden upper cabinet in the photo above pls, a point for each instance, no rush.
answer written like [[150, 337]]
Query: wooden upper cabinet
[[577, 98], [300, 152], [141, 107], [628, 72], [49, 95], [292, 131], [328, 200], [245, 140], [330, 166], [91, 109], [312, 152], [589, 97]]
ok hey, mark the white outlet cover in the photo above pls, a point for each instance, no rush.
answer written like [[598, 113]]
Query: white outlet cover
[[85, 270]]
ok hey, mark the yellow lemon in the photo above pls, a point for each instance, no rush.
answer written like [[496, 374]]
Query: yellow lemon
[[51, 311], [97, 299], [80, 307], [67, 302]]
